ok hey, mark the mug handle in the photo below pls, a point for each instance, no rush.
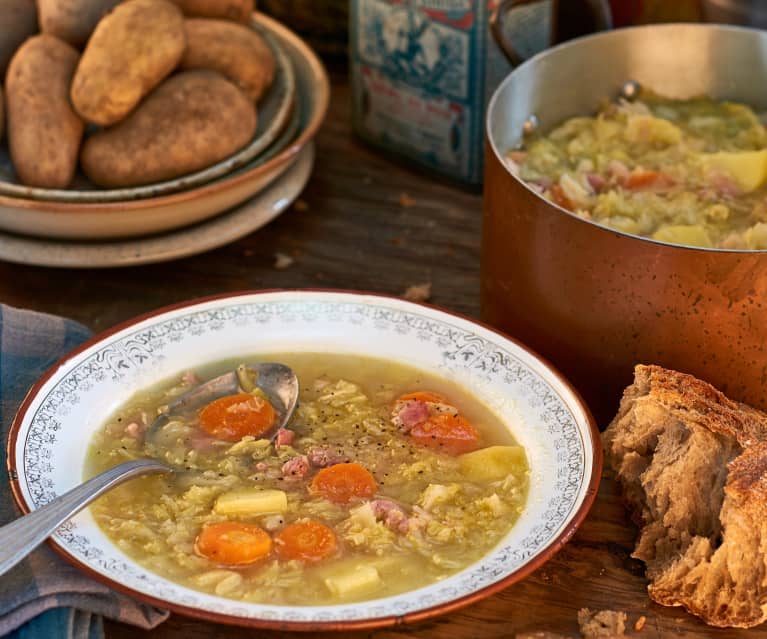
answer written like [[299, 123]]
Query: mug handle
[[599, 9]]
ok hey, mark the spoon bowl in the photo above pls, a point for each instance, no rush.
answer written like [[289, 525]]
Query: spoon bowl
[[276, 381]]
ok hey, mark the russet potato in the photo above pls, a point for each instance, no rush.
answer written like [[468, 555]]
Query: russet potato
[[44, 132], [232, 49], [18, 21], [130, 52], [190, 121], [72, 20], [237, 10]]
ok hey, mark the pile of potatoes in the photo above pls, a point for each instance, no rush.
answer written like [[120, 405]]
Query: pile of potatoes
[[161, 88]]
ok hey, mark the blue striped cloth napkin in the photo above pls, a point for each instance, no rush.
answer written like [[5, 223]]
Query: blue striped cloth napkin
[[44, 597]]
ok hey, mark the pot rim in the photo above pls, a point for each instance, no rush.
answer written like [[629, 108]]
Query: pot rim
[[615, 33]]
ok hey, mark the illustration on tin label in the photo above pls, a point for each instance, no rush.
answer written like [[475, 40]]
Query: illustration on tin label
[[409, 44]]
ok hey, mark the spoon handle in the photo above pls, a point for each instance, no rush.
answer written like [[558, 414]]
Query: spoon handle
[[23, 535]]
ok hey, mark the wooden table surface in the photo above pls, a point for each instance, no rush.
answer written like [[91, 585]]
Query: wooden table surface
[[367, 223]]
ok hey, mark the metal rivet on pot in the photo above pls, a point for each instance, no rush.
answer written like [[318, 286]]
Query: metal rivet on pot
[[530, 125], [630, 90]]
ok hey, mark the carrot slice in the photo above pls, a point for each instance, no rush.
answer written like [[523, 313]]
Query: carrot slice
[[343, 482], [307, 541], [645, 179], [423, 396], [559, 197], [234, 416], [447, 432], [232, 543]]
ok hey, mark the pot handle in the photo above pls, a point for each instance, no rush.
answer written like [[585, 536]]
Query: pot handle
[[599, 11], [496, 29]]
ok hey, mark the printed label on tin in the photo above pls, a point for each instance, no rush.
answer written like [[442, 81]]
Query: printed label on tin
[[418, 79], [434, 127]]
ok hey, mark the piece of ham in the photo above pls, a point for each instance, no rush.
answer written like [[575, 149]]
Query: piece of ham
[[323, 456], [410, 414], [284, 437], [596, 181], [391, 514], [295, 468]]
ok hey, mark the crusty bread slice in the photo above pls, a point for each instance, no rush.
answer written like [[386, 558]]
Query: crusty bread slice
[[693, 468]]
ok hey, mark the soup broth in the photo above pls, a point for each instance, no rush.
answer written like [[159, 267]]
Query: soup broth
[[386, 479]]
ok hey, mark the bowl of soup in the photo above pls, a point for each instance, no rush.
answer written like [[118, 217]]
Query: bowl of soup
[[625, 191], [431, 461]]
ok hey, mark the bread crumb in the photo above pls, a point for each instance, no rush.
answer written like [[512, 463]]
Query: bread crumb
[[282, 261], [601, 623], [406, 201], [640, 623], [418, 292], [301, 206]]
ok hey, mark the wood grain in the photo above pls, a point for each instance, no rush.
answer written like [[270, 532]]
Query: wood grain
[[355, 233]]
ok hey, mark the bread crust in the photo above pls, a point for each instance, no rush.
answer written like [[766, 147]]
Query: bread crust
[[693, 467]]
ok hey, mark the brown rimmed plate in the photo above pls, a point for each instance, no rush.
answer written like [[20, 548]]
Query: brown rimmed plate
[[537, 405]]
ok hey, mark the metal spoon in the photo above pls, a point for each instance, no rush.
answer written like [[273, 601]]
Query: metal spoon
[[277, 381]]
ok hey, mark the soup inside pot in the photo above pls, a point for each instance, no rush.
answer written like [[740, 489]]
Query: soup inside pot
[[385, 480], [690, 172]]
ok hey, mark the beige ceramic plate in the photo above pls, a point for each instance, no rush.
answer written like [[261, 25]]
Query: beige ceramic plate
[[207, 235], [273, 116], [111, 220]]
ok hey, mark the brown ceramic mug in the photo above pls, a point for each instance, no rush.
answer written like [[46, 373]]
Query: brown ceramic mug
[[596, 301]]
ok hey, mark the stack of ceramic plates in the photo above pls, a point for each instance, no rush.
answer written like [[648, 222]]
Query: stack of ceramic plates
[[86, 226]]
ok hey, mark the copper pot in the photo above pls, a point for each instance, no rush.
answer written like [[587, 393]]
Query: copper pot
[[596, 301]]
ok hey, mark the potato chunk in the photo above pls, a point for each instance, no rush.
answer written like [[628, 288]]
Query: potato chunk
[[493, 462], [684, 234], [251, 501], [747, 168], [357, 581], [652, 130]]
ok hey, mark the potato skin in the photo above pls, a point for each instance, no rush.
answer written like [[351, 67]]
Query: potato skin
[[44, 132], [234, 50], [72, 20], [132, 49], [18, 21], [237, 10], [192, 120]]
